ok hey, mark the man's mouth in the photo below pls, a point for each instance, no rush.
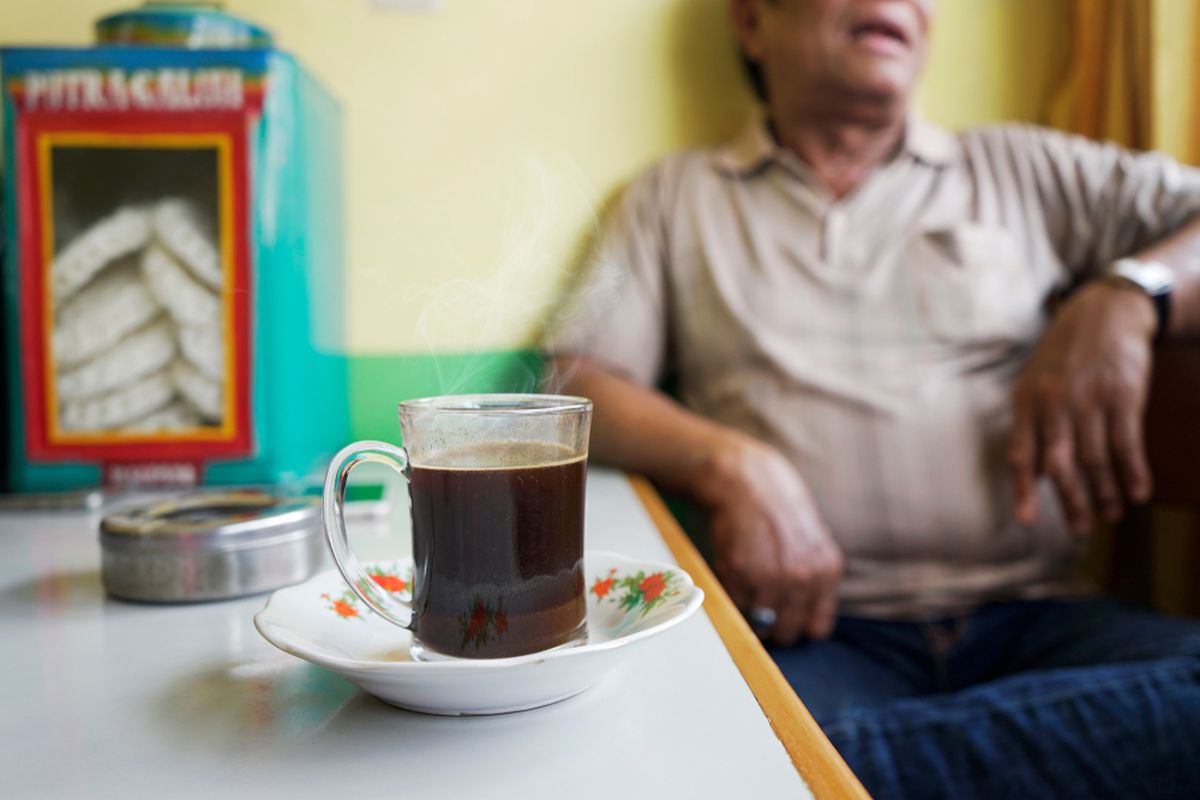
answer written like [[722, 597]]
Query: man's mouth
[[881, 34]]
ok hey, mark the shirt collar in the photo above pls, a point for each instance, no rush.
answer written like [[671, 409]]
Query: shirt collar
[[755, 147], [930, 143]]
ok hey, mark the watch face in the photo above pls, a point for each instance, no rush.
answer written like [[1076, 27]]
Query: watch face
[[1154, 278]]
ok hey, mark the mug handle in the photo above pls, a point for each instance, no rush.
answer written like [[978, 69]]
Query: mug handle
[[391, 608]]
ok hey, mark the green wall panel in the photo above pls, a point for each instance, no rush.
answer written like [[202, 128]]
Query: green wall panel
[[378, 383]]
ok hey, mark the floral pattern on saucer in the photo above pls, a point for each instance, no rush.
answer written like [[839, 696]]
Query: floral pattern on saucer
[[624, 599], [393, 576], [321, 621], [637, 591], [345, 605]]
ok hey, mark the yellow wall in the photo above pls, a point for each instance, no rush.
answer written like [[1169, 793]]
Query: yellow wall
[[994, 60], [482, 139], [1176, 30]]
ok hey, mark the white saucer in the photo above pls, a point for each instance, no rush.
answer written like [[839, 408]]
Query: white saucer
[[323, 622]]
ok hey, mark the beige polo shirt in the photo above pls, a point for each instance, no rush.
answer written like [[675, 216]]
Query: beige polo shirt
[[875, 340]]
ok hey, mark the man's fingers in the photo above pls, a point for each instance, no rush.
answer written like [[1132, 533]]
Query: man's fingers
[[1022, 463], [737, 557], [1129, 451], [793, 603], [824, 609], [1091, 435], [1058, 461]]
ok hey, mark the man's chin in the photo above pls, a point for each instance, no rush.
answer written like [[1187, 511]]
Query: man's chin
[[887, 83]]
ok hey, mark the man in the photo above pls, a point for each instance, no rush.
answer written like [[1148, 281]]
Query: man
[[899, 445]]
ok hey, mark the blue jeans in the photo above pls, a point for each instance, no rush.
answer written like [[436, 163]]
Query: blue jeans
[[1081, 698]]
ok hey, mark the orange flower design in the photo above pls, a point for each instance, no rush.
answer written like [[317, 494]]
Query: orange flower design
[[344, 610], [477, 620], [390, 582], [652, 586], [637, 592], [601, 588], [483, 622], [342, 606]]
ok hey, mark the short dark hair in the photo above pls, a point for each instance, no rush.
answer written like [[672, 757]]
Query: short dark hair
[[754, 72], [754, 76]]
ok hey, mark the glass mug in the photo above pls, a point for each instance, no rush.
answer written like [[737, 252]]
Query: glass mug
[[497, 484]]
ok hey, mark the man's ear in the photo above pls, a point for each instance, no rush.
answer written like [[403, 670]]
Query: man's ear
[[746, 17]]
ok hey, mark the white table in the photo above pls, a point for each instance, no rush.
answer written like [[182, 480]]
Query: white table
[[106, 699]]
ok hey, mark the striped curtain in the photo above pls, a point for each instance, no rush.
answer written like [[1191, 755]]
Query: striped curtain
[[1133, 74], [1108, 91]]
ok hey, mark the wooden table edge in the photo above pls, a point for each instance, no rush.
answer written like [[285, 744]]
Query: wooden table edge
[[813, 755]]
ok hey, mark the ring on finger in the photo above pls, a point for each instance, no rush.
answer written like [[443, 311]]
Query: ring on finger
[[762, 618]]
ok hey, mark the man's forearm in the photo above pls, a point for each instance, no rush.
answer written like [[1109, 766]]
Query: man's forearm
[[642, 429]]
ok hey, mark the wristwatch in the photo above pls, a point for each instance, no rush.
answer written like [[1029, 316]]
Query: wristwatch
[[1154, 278]]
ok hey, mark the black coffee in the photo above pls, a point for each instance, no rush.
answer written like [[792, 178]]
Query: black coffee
[[499, 550]]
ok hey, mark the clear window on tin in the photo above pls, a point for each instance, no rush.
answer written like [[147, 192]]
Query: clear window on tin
[[136, 340]]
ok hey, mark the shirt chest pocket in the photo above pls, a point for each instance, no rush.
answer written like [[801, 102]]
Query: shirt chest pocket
[[972, 284]]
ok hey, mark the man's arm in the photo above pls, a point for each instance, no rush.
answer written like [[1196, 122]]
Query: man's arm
[[1079, 405], [772, 550], [641, 429]]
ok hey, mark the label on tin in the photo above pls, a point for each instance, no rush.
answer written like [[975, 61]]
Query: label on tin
[[158, 474]]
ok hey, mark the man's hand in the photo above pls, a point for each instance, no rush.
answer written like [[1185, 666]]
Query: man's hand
[[772, 550], [1078, 407]]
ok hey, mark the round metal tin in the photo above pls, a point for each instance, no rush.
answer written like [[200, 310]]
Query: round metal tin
[[211, 546]]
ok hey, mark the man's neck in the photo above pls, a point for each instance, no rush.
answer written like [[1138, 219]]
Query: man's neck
[[841, 152]]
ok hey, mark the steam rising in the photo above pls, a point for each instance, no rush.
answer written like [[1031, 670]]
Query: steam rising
[[502, 302]]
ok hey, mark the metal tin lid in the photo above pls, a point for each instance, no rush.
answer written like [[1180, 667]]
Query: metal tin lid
[[217, 520], [193, 24]]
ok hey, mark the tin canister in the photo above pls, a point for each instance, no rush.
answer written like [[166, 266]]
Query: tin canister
[[211, 546]]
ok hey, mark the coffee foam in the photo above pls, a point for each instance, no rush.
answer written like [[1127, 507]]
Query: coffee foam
[[499, 455]]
